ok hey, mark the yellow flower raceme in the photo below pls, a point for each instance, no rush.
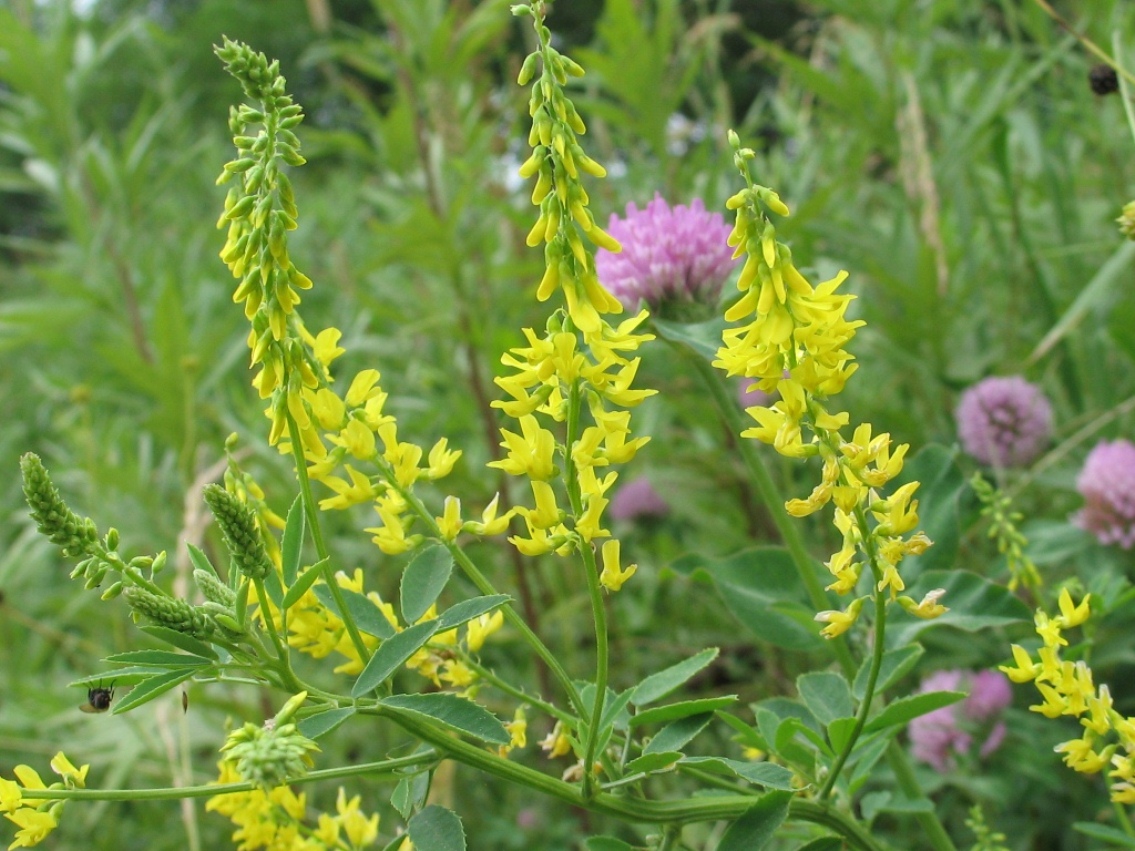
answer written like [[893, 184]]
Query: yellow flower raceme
[[1067, 689], [792, 339], [274, 820], [581, 368], [36, 818]]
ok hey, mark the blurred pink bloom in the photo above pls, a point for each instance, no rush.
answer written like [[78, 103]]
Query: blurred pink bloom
[[1004, 422], [938, 737], [637, 499], [1107, 484], [754, 397], [678, 254]]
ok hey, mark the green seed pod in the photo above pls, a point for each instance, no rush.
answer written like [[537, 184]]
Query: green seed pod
[[63, 527], [169, 611], [242, 536]]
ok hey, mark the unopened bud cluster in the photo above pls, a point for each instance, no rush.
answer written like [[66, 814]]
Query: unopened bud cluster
[[171, 612], [269, 755], [242, 535], [76, 535]]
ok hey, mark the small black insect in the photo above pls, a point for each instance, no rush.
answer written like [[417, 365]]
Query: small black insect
[[1103, 80], [98, 699]]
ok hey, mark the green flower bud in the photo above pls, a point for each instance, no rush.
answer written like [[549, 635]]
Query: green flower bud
[[63, 527], [169, 611], [213, 590], [242, 536], [269, 756], [113, 591]]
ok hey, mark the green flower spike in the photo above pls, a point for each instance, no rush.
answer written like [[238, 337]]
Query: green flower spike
[[272, 754], [242, 535], [171, 612], [78, 536]]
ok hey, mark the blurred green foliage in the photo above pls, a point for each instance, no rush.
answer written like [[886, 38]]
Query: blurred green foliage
[[949, 154]]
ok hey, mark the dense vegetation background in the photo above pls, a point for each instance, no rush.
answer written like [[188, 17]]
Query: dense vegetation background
[[949, 154]]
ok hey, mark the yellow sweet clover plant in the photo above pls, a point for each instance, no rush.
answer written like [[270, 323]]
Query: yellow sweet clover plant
[[569, 390]]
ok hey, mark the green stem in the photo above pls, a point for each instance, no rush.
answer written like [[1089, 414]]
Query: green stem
[[868, 696], [393, 767], [594, 593], [599, 613], [699, 809], [1124, 85], [519, 694], [321, 550], [1121, 817]]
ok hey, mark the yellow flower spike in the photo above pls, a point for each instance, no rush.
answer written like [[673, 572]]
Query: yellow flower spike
[[359, 829], [11, 798], [1049, 630], [1050, 663], [404, 459], [1054, 704], [28, 777], [328, 408], [839, 622], [1024, 670], [34, 826], [449, 524], [588, 524], [364, 386], [441, 460], [928, 608], [537, 543], [358, 440], [480, 628], [457, 674], [75, 778], [517, 729], [1080, 756], [614, 576], [557, 743], [891, 580], [898, 514], [547, 514], [530, 453], [356, 492], [1072, 615], [1100, 710], [491, 524]]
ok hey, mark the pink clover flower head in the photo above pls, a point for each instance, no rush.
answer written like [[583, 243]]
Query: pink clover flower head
[[990, 693], [638, 499], [938, 738], [670, 255], [1107, 483], [1004, 422]]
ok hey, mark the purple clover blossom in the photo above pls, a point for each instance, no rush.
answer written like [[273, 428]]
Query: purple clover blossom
[[1107, 484], [939, 737], [669, 255], [1004, 422], [638, 499]]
